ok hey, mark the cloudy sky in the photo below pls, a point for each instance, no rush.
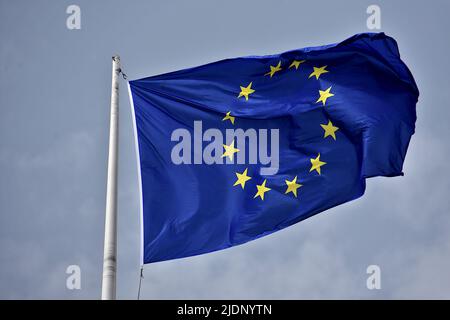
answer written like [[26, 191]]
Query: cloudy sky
[[54, 115]]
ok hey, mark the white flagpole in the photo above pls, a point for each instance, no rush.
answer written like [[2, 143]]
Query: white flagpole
[[110, 244]]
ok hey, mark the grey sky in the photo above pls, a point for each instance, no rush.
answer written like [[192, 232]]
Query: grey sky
[[54, 113]]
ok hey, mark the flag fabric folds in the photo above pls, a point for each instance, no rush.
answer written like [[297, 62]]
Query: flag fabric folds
[[237, 149]]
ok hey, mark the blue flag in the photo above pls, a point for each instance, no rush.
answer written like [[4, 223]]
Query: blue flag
[[237, 149]]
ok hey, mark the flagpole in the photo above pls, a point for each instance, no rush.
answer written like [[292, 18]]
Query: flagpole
[[110, 244]]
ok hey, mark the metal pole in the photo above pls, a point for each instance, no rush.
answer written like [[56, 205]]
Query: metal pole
[[110, 244]]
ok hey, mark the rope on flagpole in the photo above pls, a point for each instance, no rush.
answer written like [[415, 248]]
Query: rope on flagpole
[[140, 282], [124, 76]]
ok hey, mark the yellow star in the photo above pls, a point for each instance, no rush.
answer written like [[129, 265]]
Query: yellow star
[[296, 64], [316, 164], [245, 91], [261, 190], [229, 150], [274, 69], [324, 95], [292, 186], [317, 72], [228, 116], [330, 130], [242, 178]]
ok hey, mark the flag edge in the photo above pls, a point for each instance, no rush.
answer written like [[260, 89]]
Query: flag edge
[[138, 160]]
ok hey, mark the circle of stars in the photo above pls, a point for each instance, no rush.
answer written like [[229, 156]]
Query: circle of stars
[[329, 129]]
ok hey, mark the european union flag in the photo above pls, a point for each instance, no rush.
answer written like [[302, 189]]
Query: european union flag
[[237, 149]]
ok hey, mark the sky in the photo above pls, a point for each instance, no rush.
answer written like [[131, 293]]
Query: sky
[[55, 86]]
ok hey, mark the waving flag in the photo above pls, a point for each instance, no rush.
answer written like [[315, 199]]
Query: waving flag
[[237, 149]]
